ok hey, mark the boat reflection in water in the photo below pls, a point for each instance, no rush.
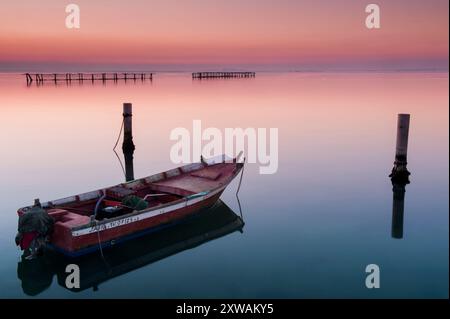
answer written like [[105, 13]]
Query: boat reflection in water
[[37, 275]]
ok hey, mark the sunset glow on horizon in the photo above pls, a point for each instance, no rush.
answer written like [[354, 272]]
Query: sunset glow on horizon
[[301, 33]]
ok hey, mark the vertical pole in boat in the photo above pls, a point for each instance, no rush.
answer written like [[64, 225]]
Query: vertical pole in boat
[[399, 172], [128, 145]]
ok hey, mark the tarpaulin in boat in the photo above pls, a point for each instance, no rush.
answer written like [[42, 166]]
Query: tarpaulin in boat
[[135, 202]]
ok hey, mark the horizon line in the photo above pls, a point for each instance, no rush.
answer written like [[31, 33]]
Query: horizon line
[[193, 67]]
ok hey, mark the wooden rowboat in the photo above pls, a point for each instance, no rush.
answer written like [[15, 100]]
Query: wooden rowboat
[[90, 221]]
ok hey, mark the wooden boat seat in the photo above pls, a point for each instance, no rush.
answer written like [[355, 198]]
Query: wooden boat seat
[[208, 174], [162, 188], [68, 219], [57, 213], [72, 220], [187, 185]]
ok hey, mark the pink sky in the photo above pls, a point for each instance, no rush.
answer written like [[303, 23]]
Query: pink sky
[[303, 33]]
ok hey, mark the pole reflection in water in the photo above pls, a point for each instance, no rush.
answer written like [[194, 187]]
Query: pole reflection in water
[[398, 206], [37, 275]]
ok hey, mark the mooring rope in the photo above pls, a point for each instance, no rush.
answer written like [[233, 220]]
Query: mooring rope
[[240, 179], [100, 246], [238, 189], [99, 240], [97, 206], [115, 145], [104, 195], [120, 133], [240, 208]]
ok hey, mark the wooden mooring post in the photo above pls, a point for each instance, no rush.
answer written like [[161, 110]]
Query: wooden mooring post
[[128, 145], [29, 78], [400, 173]]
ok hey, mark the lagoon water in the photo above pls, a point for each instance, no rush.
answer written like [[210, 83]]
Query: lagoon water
[[310, 229]]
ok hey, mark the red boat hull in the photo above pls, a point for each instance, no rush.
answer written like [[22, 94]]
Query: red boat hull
[[63, 240]]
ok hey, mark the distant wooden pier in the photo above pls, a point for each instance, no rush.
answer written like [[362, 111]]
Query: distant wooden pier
[[40, 78], [211, 75]]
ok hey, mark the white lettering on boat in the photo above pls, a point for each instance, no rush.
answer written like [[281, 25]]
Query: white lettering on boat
[[115, 223]]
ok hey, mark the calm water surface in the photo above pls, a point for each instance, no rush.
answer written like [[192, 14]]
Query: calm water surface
[[310, 229]]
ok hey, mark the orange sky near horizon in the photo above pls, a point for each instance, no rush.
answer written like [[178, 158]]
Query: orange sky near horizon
[[223, 32]]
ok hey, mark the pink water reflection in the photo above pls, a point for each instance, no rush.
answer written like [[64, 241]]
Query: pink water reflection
[[55, 131]]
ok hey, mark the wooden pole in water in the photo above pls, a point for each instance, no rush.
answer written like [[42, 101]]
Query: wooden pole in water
[[127, 124], [128, 145], [29, 78], [399, 172]]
